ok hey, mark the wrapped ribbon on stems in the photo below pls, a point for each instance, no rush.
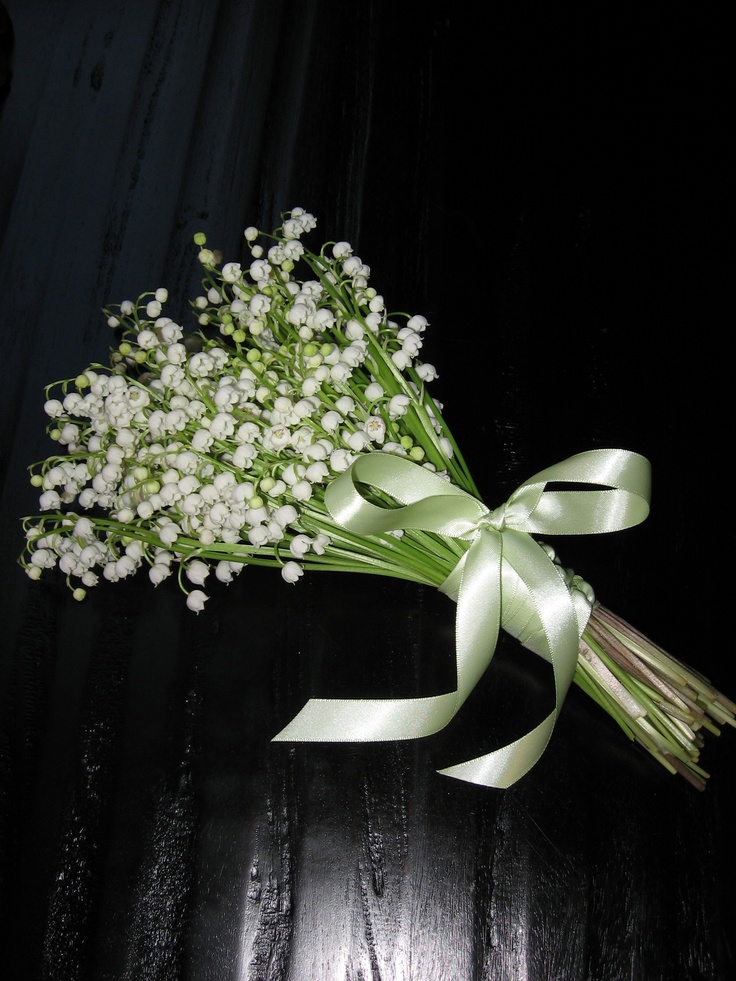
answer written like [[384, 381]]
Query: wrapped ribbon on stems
[[296, 429]]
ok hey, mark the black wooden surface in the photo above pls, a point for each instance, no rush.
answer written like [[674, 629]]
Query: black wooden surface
[[553, 194]]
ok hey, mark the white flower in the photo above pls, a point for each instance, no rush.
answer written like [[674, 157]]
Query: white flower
[[168, 533], [69, 433], [226, 397], [427, 372], [201, 365], [355, 354], [259, 305], [310, 386], [300, 545], [340, 460], [302, 491], [277, 490], [135, 551], [299, 223], [260, 269], [44, 558], [231, 272], [375, 429], [298, 314], [147, 340], [316, 472], [247, 432], [417, 323], [401, 359], [396, 448], [244, 455], [330, 421], [276, 437], [398, 406], [292, 572], [196, 600], [320, 543], [83, 528], [283, 404], [293, 473], [192, 504], [168, 331], [357, 441], [352, 265], [285, 515], [224, 481], [172, 375], [354, 330], [318, 450], [330, 354], [125, 566], [345, 404], [197, 572], [258, 536], [226, 571], [410, 341], [175, 421], [87, 498], [202, 440], [256, 515], [187, 462], [222, 426], [301, 439], [53, 408], [305, 407], [49, 501], [293, 250]]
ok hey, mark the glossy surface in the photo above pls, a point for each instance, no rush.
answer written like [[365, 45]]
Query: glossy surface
[[550, 195]]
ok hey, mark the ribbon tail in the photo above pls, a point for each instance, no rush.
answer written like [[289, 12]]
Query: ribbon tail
[[369, 719], [504, 766], [478, 587], [557, 641]]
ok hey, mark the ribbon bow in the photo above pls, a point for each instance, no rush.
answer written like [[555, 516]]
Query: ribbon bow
[[504, 579]]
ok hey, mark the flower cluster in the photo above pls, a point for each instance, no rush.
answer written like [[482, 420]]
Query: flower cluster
[[194, 453], [203, 452]]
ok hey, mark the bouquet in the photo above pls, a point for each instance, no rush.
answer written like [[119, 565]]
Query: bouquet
[[296, 429]]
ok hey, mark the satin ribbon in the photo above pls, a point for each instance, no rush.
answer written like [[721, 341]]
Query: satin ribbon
[[505, 579]]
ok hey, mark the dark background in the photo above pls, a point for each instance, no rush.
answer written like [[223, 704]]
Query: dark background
[[553, 193]]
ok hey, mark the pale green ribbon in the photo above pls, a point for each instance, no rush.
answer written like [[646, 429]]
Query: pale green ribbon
[[504, 579]]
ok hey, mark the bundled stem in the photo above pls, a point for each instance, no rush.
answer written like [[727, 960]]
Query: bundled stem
[[657, 700]]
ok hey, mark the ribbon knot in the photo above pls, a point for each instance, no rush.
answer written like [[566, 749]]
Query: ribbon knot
[[496, 519], [505, 578]]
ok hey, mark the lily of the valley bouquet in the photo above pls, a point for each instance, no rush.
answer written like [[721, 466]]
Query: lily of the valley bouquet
[[296, 429]]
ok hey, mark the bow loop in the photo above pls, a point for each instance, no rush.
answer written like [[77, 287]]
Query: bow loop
[[505, 578]]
